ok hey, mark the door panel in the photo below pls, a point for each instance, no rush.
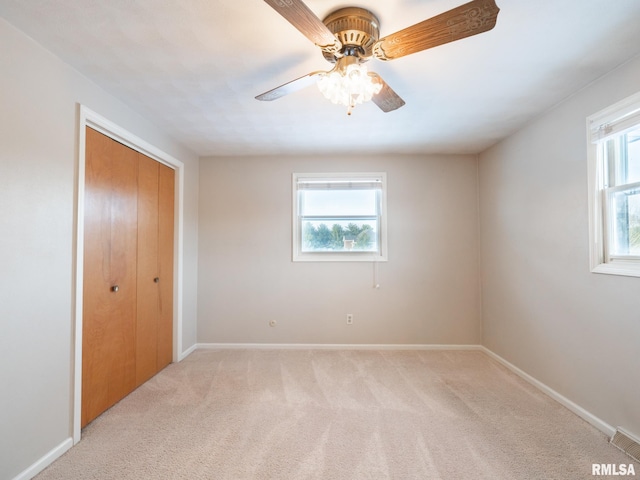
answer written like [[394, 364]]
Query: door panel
[[148, 289], [166, 186], [110, 222]]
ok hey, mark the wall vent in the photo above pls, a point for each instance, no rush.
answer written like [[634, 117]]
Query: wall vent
[[626, 443]]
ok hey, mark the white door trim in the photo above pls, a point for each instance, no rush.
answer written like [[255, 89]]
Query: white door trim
[[89, 118]]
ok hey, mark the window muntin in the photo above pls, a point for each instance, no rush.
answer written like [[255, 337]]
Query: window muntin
[[339, 217], [614, 175]]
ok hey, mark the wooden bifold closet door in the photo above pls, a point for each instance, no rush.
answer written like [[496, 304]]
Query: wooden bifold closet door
[[127, 329]]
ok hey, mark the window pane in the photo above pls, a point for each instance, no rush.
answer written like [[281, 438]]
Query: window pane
[[330, 235], [633, 157], [326, 203], [625, 228]]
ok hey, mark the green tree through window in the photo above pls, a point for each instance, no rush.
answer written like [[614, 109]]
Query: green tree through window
[[338, 238]]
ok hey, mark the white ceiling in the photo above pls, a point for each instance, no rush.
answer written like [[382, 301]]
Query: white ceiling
[[194, 67]]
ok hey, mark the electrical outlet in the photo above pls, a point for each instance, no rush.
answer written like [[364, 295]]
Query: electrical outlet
[[349, 318], [272, 323]]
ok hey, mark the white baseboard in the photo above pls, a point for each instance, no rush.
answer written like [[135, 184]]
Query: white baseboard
[[330, 346], [45, 461], [187, 352], [598, 423]]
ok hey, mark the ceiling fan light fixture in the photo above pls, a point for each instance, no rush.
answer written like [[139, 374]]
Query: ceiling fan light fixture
[[350, 36], [349, 83]]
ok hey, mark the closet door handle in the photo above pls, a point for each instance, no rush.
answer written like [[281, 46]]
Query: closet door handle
[[156, 280], [115, 288]]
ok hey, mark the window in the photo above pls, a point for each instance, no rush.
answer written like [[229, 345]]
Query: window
[[339, 217], [614, 177]]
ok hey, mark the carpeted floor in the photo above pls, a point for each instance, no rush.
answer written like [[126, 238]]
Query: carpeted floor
[[333, 414]]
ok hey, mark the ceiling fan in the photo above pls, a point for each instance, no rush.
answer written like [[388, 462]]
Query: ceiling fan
[[349, 37]]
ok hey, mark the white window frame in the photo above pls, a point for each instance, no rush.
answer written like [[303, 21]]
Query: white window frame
[[610, 122], [345, 256]]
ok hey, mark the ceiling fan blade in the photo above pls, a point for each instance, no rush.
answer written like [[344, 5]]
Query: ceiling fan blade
[[464, 21], [290, 87], [387, 100], [299, 15]]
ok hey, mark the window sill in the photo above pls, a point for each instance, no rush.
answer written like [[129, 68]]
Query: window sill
[[342, 257], [627, 269]]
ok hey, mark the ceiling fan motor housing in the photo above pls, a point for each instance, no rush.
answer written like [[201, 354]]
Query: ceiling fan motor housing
[[357, 29]]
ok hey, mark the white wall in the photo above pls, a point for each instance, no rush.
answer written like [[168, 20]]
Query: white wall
[[429, 287], [576, 331], [39, 98]]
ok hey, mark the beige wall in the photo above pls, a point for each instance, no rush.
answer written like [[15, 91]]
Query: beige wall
[[576, 331], [429, 287], [39, 98]]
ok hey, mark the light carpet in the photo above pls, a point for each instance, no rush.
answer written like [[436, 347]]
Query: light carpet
[[334, 414]]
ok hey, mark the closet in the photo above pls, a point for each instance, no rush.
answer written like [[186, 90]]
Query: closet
[[127, 327]]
